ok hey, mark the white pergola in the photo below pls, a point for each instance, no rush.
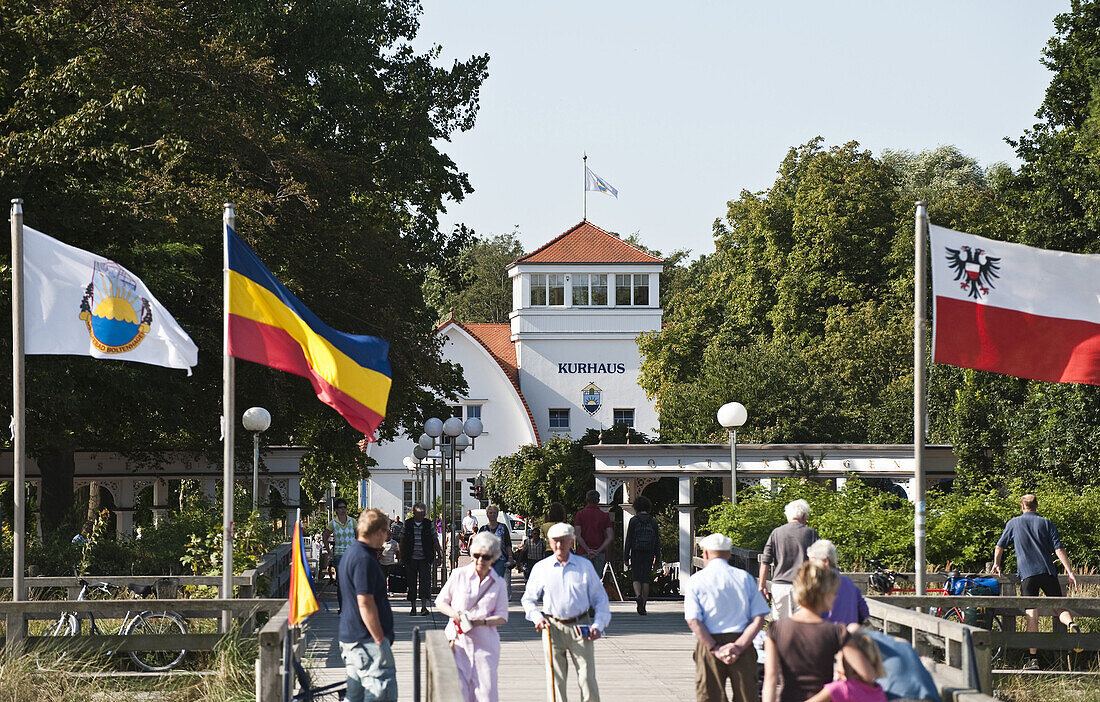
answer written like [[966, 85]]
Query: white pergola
[[634, 466], [125, 479]]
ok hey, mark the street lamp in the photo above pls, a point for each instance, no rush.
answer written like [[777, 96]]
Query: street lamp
[[452, 437], [256, 420], [732, 415]]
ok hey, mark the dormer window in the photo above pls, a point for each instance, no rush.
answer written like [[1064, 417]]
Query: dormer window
[[547, 289], [632, 289], [589, 290]]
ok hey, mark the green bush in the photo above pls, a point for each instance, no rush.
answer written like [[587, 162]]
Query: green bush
[[963, 525]]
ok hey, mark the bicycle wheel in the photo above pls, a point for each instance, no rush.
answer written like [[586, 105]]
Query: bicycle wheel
[[157, 623], [66, 625], [955, 614]]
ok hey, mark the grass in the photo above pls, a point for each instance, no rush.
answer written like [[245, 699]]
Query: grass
[[232, 679]]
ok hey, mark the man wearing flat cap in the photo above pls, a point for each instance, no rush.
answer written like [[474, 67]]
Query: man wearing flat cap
[[724, 609], [574, 610]]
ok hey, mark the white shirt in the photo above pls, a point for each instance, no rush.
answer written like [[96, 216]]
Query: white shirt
[[469, 523], [725, 599], [567, 590]]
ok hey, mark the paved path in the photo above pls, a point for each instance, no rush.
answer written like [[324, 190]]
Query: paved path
[[642, 658]]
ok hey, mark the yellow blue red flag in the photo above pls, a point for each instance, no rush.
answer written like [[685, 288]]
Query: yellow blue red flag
[[269, 325], [303, 594]]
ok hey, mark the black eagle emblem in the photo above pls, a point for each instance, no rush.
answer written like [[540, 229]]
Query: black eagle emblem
[[975, 269]]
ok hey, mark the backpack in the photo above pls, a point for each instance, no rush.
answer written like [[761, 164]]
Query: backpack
[[645, 535]]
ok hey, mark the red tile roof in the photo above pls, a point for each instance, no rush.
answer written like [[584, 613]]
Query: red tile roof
[[587, 243], [496, 338]]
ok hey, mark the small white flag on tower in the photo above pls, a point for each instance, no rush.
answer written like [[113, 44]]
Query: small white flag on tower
[[80, 304], [594, 182]]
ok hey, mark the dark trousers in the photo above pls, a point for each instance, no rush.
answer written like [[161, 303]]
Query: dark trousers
[[711, 673], [419, 572]]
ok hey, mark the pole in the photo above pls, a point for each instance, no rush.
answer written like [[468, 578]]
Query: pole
[[733, 466], [228, 422], [452, 552], [585, 181], [255, 471], [920, 324], [19, 400]]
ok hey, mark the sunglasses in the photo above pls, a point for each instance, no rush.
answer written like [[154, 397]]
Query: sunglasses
[[481, 556]]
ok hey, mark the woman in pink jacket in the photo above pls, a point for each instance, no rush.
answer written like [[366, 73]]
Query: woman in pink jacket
[[476, 600]]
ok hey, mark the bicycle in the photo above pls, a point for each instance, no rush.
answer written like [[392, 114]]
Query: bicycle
[[133, 623], [958, 584]]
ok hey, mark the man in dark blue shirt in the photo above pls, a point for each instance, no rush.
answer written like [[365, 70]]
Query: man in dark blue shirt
[[1034, 539], [366, 620]]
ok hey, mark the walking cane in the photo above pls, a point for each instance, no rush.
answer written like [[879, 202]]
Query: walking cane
[[550, 655]]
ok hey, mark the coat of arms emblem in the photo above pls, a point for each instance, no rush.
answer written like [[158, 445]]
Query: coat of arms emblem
[[117, 317], [590, 398], [974, 268]]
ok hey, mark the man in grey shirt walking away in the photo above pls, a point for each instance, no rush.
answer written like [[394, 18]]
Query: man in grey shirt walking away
[[786, 549]]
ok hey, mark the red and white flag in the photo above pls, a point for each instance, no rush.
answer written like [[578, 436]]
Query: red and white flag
[[1015, 309]]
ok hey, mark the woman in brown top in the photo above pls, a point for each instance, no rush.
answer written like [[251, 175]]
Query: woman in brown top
[[801, 648]]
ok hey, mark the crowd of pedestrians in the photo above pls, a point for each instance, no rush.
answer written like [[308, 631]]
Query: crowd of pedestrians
[[813, 645]]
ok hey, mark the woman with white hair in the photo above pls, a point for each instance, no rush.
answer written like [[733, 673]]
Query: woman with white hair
[[476, 601], [849, 607]]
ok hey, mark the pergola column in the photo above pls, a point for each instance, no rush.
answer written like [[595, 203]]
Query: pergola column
[[686, 510], [160, 499]]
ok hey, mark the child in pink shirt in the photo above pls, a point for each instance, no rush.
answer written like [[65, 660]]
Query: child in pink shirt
[[849, 687]]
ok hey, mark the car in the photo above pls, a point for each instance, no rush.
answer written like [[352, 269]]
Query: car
[[517, 526]]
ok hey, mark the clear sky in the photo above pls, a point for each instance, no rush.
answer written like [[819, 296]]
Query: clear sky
[[681, 105]]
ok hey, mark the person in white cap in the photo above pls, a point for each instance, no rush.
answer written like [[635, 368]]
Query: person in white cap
[[574, 609], [725, 610]]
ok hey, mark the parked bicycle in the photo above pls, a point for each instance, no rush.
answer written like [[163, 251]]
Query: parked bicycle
[[133, 623], [978, 586]]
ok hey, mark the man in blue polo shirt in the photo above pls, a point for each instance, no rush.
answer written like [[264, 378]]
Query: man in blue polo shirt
[[366, 620], [1035, 539], [724, 609]]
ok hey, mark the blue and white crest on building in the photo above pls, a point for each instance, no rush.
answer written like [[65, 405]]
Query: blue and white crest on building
[[590, 398], [117, 317]]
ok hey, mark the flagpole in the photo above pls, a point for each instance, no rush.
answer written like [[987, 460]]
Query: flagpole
[[585, 187], [920, 324], [19, 401], [228, 415]]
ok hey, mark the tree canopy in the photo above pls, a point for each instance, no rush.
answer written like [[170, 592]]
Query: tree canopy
[[126, 123]]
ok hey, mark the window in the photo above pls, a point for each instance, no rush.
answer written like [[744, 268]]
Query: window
[[547, 289], [641, 289], [632, 290], [622, 289], [408, 496], [624, 416], [556, 288], [538, 289], [559, 419], [589, 290], [473, 412], [447, 487]]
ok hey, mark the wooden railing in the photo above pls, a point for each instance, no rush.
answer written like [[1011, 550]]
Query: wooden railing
[[278, 642], [17, 614], [440, 669]]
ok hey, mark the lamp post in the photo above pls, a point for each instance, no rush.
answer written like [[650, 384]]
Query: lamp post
[[732, 415], [256, 420], [460, 436]]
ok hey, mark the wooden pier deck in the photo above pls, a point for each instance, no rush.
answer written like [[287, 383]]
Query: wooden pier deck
[[641, 657]]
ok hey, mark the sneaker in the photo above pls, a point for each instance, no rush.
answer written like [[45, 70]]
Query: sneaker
[[423, 611], [1074, 629], [1032, 664]]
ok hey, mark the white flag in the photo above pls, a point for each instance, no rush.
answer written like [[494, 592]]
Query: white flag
[[598, 184], [80, 304]]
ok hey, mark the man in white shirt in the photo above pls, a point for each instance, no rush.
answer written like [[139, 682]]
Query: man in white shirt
[[469, 528], [724, 609], [570, 590]]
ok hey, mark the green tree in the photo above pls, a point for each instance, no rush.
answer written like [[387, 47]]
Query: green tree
[[474, 283], [125, 123]]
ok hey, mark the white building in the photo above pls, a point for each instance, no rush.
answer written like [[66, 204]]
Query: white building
[[566, 362]]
